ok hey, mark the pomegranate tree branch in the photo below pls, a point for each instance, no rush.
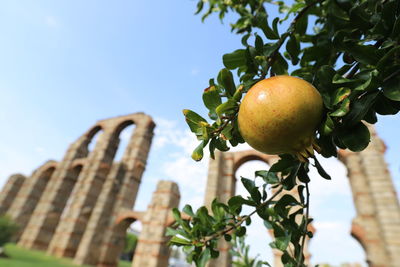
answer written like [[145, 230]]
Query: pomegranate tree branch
[[241, 220]]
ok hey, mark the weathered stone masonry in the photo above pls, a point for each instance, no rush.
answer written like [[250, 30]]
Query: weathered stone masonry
[[81, 206], [82, 195]]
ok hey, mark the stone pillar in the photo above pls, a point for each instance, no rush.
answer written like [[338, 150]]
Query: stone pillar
[[384, 196], [70, 230], [377, 224], [133, 165], [29, 195], [45, 218], [10, 191], [89, 247], [365, 226], [152, 249]]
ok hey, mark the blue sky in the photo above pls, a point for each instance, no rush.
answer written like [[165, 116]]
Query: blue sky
[[66, 64]]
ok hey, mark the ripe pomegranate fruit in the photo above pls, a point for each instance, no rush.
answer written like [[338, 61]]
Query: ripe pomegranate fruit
[[280, 115]]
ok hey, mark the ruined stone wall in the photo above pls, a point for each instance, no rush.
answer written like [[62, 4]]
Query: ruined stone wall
[[66, 207], [10, 191], [152, 249], [118, 194], [29, 194], [377, 223]]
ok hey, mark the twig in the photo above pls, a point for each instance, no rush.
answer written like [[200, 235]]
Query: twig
[[244, 218], [300, 257]]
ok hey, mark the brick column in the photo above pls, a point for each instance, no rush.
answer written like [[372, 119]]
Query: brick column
[[133, 165], [365, 226], [29, 195], [89, 185], [45, 218], [10, 191], [152, 249], [383, 197]]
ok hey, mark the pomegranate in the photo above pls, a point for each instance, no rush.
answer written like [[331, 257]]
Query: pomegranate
[[280, 115]]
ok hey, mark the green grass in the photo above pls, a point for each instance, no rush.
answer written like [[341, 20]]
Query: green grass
[[19, 257]]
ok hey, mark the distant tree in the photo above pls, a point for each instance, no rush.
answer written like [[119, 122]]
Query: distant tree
[[130, 246], [7, 229]]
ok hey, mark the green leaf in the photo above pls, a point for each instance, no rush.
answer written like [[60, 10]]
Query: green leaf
[[259, 44], [301, 25], [235, 59], [227, 237], [225, 78], [293, 48], [252, 189], [391, 88], [321, 170], [360, 107], [211, 100], [365, 54], [281, 243], [327, 126], [355, 138], [197, 154], [204, 258], [262, 22], [280, 66], [285, 162], [194, 120], [388, 58], [340, 94], [227, 107], [290, 181], [188, 210], [176, 214], [342, 110], [179, 241], [268, 176], [241, 231], [237, 201]]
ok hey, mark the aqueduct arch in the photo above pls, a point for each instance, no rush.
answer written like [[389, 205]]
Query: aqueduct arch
[[377, 223], [83, 193], [87, 192]]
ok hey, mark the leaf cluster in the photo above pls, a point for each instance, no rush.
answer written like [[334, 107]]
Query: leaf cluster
[[349, 50]]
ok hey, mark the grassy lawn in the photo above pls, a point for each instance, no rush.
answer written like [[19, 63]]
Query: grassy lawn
[[19, 257]]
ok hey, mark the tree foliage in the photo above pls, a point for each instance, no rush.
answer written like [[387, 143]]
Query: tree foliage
[[348, 49], [7, 229]]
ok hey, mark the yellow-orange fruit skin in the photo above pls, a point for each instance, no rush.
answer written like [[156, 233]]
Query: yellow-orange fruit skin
[[280, 115]]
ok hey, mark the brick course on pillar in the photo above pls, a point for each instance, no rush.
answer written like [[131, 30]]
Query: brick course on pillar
[[28, 196], [90, 183], [118, 194], [152, 249], [377, 223], [10, 191], [61, 216], [46, 216]]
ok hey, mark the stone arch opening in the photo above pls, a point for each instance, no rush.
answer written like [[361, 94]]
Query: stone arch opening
[[124, 133], [132, 226], [92, 137]]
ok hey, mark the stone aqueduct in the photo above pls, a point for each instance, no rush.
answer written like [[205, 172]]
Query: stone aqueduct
[[81, 206]]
